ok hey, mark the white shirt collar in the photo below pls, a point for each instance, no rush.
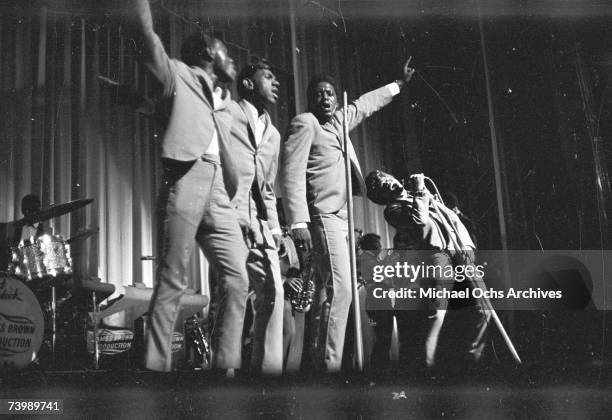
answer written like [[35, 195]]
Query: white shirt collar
[[253, 111]]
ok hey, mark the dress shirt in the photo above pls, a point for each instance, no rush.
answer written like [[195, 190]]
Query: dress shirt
[[260, 121]]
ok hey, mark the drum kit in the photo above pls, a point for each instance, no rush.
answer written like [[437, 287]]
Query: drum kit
[[35, 282]]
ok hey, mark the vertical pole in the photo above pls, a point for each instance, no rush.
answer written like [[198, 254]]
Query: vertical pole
[[95, 331], [53, 324], [497, 168], [494, 145], [351, 237], [294, 58]]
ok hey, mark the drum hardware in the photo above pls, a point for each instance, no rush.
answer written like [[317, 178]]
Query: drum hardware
[[99, 291], [21, 324], [38, 265], [47, 255], [81, 235], [40, 259], [48, 307], [199, 341], [53, 325], [95, 331], [52, 212], [136, 300]]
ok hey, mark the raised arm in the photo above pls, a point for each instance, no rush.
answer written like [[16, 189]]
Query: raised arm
[[151, 49], [370, 102]]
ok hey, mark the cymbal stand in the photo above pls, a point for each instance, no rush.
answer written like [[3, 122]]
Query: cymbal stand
[[53, 324], [96, 339]]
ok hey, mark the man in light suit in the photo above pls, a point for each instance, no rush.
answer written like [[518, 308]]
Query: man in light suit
[[314, 194], [255, 144], [199, 181]]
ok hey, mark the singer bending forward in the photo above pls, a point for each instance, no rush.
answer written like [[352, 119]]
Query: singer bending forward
[[313, 186]]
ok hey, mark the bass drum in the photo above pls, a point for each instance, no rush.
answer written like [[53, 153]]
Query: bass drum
[[21, 324]]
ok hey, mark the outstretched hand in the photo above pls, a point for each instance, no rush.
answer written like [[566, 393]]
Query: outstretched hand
[[408, 71]]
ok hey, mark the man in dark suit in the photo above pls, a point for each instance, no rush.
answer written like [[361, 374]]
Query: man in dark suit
[[436, 236], [314, 194], [199, 181], [255, 144]]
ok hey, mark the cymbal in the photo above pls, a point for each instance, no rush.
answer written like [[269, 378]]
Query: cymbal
[[54, 211], [83, 234]]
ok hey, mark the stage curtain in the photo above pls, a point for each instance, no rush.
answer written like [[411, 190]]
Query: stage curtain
[[63, 138]]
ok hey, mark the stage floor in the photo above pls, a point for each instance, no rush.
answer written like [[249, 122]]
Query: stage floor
[[494, 394]]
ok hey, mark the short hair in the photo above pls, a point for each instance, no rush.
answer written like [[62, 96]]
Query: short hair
[[194, 46], [370, 242], [312, 87], [30, 202], [381, 187], [247, 72], [450, 199]]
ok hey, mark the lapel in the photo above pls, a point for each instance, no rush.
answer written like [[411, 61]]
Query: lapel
[[267, 130], [250, 123], [337, 133], [331, 129], [203, 86]]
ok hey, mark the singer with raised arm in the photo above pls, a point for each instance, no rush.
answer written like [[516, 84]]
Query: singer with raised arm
[[313, 187], [199, 181]]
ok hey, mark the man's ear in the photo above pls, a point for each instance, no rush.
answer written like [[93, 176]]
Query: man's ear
[[208, 54], [248, 84]]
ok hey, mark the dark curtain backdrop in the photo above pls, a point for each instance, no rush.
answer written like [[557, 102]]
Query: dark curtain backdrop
[[64, 138]]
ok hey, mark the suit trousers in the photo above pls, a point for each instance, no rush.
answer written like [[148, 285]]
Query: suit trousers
[[195, 207], [334, 292], [264, 273], [419, 325]]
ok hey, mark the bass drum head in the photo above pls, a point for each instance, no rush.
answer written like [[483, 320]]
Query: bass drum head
[[21, 324]]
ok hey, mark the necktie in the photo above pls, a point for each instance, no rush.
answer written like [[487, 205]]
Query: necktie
[[260, 205]]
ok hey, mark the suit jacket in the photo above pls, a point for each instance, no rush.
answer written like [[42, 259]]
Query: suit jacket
[[312, 173], [440, 228], [192, 117], [260, 160]]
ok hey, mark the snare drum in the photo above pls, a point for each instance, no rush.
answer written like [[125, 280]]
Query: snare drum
[[21, 324], [47, 255]]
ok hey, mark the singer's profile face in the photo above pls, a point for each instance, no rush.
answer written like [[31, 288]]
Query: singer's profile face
[[223, 63], [325, 101]]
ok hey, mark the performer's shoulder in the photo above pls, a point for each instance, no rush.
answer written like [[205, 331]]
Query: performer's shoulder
[[234, 107], [181, 67], [304, 118]]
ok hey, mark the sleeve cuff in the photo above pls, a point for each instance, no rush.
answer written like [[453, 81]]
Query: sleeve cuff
[[394, 88], [299, 225]]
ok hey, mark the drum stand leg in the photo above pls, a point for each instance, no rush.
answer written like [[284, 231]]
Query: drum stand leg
[[53, 324], [95, 331]]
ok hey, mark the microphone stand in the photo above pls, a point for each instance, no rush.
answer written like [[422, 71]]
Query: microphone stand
[[485, 302], [351, 237]]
